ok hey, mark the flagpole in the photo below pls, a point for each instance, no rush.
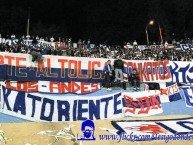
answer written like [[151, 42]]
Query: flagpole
[[28, 20]]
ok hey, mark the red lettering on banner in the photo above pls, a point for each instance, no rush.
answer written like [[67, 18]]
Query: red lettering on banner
[[94, 87], [66, 87], [23, 86], [9, 59], [161, 76], [167, 70], [75, 87], [62, 61], [1, 60], [84, 87], [131, 105], [9, 86], [57, 87], [94, 75], [32, 86], [79, 69], [72, 68], [150, 70], [144, 103], [134, 65], [142, 69], [54, 85], [156, 67], [155, 102]]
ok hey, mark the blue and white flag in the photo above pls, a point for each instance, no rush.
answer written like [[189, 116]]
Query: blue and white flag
[[188, 95], [169, 92]]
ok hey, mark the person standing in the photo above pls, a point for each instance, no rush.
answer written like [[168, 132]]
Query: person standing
[[108, 75], [118, 66]]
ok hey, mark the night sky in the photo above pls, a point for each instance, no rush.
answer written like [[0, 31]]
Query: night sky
[[113, 21]]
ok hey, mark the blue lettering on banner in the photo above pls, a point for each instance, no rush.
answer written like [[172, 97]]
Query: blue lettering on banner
[[47, 102], [33, 107], [81, 109], [117, 103], [182, 74], [94, 109], [20, 103], [34, 99], [63, 111], [106, 100], [74, 110], [5, 98]]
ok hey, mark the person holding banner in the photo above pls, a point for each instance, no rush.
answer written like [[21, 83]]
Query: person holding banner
[[108, 75], [134, 79]]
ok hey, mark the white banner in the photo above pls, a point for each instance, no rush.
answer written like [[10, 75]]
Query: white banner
[[56, 108]]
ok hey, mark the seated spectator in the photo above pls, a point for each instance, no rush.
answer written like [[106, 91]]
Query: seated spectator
[[36, 55], [134, 79]]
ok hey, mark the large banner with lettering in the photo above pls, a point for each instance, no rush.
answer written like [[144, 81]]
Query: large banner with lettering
[[56, 108], [140, 104], [19, 67], [53, 87]]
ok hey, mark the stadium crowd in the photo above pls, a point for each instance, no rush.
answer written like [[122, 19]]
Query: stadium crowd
[[101, 51]]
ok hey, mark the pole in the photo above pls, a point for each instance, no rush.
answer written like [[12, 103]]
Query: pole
[[147, 37], [160, 32], [28, 20]]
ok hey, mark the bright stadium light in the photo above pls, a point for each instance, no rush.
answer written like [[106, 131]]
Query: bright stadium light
[[151, 22]]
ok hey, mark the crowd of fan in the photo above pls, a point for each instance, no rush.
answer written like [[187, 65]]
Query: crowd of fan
[[103, 51]]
